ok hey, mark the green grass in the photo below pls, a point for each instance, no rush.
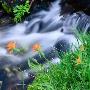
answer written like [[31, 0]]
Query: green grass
[[68, 74]]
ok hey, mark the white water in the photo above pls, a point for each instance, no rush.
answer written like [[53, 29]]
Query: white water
[[28, 33], [46, 28]]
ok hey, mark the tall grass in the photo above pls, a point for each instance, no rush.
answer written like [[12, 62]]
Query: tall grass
[[72, 73]]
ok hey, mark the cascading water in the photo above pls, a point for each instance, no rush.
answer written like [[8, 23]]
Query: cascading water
[[47, 28]]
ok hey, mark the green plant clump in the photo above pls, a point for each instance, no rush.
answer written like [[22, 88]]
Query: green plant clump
[[20, 10], [72, 73], [6, 7]]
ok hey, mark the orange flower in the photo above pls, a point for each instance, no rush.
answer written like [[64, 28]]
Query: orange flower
[[36, 47], [10, 46], [78, 60]]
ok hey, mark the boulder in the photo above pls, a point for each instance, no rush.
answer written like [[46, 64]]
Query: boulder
[[70, 6]]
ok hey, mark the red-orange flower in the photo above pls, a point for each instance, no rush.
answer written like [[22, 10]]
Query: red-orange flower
[[36, 47], [10, 46]]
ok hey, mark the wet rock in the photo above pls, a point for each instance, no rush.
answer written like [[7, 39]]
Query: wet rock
[[41, 5], [14, 79], [70, 6], [0, 84], [1, 13], [5, 21]]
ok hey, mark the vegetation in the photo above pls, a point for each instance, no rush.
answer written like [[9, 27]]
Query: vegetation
[[20, 10], [8, 6], [16, 9], [72, 73]]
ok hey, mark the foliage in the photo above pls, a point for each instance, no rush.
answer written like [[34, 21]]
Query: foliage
[[69, 74], [20, 10], [6, 7], [19, 50], [16, 8]]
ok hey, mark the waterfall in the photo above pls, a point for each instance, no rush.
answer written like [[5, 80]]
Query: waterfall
[[47, 28]]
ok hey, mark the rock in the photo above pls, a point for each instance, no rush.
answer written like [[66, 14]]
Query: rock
[[40, 4], [1, 13], [70, 6], [11, 78], [0, 84], [5, 21]]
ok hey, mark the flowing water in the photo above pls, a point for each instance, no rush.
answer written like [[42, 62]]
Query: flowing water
[[47, 28]]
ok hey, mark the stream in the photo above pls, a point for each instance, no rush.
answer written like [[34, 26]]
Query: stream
[[47, 28]]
